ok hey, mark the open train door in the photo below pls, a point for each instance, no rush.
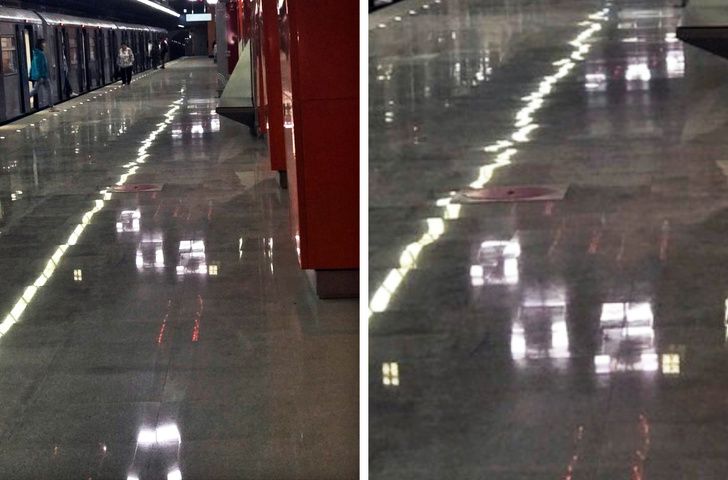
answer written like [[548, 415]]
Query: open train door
[[29, 102]]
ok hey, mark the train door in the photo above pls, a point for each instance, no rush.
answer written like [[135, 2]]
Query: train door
[[27, 54], [107, 54], [83, 65], [99, 57], [62, 59], [139, 64], [92, 69], [115, 41], [135, 48], [74, 67], [10, 81], [54, 74], [148, 49]]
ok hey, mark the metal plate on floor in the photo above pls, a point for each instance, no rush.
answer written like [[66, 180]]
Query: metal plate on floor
[[137, 187], [519, 193]]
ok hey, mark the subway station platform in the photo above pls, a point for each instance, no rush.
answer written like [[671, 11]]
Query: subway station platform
[[548, 225], [154, 320]]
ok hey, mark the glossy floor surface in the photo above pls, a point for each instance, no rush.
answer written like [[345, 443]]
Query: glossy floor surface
[[162, 334], [577, 337]]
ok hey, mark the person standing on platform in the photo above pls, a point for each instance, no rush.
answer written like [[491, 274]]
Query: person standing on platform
[[40, 76], [214, 52], [125, 60], [163, 48]]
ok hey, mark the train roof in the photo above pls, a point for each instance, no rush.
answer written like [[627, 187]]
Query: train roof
[[18, 15], [61, 19], [133, 26]]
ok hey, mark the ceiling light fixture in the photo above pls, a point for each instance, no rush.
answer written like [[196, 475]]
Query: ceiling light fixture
[[159, 7]]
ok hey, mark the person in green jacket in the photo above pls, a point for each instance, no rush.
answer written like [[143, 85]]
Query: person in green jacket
[[40, 76]]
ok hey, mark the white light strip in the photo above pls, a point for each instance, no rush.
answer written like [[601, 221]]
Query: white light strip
[[159, 7], [524, 124]]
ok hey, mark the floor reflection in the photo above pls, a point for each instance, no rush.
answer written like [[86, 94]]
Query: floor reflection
[[571, 338]]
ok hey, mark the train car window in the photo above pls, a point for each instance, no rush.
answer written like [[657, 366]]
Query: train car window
[[9, 55], [72, 51]]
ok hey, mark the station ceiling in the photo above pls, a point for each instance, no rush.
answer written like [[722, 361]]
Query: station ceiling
[[130, 11]]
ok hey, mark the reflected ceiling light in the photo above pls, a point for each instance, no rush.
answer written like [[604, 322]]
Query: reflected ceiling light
[[174, 475], [159, 7], [168, 434]]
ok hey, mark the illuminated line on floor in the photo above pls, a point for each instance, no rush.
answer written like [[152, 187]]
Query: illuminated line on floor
[[105, 195], [505, 149]]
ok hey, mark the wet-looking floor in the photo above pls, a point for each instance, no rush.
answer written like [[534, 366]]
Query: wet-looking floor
[[154, 320], [575, 328]]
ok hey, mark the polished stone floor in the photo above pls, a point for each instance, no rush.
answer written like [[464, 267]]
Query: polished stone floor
[[578, 337], [166, 331]]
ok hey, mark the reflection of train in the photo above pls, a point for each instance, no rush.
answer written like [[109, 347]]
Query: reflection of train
[[80, 50]]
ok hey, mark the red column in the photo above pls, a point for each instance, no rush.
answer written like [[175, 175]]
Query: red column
[[323, 160], [271, 56]]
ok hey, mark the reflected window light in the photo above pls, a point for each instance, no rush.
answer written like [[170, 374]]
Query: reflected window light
[[518, 342], [212, 270], [638, 72], [621, 313], [390, 374], [627, 338], [192, 259], [168, 433], [146, 437], [596, 82], [671, 363], [197, 129], [540, 330], [648, 362], [150, 252], [675, 63], [78, 275], [496, 263], [559, 340], [602, 363], [128, 221], [215, 124]]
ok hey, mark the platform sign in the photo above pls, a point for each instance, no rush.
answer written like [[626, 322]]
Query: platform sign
[[199, 17]]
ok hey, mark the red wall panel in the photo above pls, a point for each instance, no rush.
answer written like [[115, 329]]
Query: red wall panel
[[324, 163]]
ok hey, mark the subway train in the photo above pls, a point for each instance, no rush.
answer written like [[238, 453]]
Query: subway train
[[82, 50]]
